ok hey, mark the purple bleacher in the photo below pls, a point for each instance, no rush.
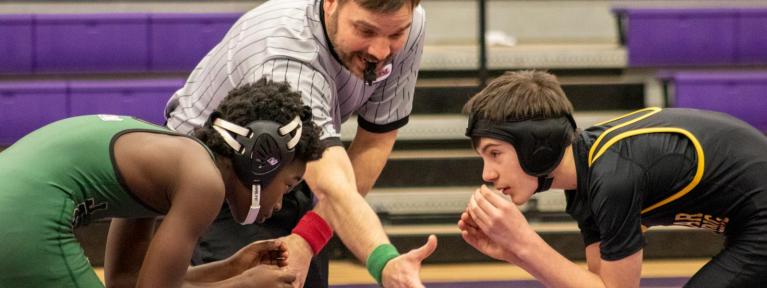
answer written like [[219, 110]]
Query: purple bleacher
[[179, 41], [740, 94], [694, 36], [30, 105], [661, 37], [144, 99], [752, 36], [91, 43], [16, 44]]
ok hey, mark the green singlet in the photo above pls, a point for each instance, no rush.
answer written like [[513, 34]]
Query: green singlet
[[57, 178]]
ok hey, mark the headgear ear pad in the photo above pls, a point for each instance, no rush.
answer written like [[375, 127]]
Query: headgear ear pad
[[540, 143], [265, 152]]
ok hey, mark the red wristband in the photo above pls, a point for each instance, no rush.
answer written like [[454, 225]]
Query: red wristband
[[314, 230]]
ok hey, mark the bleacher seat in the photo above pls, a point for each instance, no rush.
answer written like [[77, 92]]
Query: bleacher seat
[[179, 41], [108, 43], [16, 47], [144, 99], [91, 43], [752, 40], [738, 93], [694, 36], [27, 106]]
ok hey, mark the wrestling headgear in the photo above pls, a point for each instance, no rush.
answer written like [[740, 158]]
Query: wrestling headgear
[[540, 143], [261, 148]]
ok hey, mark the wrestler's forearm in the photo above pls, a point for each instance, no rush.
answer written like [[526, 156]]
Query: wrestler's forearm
[[211, 272]]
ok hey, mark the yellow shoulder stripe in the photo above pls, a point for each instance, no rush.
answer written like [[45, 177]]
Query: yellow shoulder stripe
[[698, 149], [651, 110]]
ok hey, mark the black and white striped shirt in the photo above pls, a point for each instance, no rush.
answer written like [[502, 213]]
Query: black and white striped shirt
[[285, 40]]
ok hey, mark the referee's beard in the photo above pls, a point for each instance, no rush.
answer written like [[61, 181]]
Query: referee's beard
[[355, 61]]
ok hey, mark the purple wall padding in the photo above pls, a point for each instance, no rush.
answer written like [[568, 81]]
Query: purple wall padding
[[752, 36], [91, 43], [16, 44], [740, 94], [27, 106], [681, 36], [179, 41], [144, 99]]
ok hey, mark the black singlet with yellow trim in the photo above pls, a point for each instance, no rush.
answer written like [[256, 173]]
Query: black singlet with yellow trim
[[666, 167]]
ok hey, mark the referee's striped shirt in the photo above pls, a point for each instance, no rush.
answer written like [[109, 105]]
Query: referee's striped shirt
[[285, 40]]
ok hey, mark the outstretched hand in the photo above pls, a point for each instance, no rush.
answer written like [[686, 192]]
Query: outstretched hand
[[404, 270]]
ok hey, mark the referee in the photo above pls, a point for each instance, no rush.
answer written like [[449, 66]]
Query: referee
[[345, 57]]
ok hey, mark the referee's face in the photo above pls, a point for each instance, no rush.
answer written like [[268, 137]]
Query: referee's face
[[360, 36]]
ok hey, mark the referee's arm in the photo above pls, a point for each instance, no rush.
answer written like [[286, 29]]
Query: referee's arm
[[332, 179]]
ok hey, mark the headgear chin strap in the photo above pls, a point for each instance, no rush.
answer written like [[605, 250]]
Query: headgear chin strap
[[540, 143], [261, 148]]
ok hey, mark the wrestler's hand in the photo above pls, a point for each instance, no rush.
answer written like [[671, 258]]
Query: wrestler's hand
[[479, 240], [403, 271], [263, 275], [504, 228], [300, 257], [272, 252]]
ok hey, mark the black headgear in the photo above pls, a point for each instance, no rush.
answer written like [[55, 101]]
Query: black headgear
[[261, 148], [540, 143]]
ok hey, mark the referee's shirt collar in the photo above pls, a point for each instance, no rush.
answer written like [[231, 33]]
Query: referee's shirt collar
[[325, 32]]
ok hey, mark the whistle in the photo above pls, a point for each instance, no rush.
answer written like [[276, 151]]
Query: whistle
[[369, 74]]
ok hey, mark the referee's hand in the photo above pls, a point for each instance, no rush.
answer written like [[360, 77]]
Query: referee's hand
[[404, 271]]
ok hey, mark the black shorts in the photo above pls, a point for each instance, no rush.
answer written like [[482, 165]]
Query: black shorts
[[226, 236], [743, 261]]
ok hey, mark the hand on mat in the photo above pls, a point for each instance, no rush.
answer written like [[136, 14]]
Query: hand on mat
[[404, 270], [300, 256]]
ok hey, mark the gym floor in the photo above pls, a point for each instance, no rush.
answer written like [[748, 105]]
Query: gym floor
[[655, 274]]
